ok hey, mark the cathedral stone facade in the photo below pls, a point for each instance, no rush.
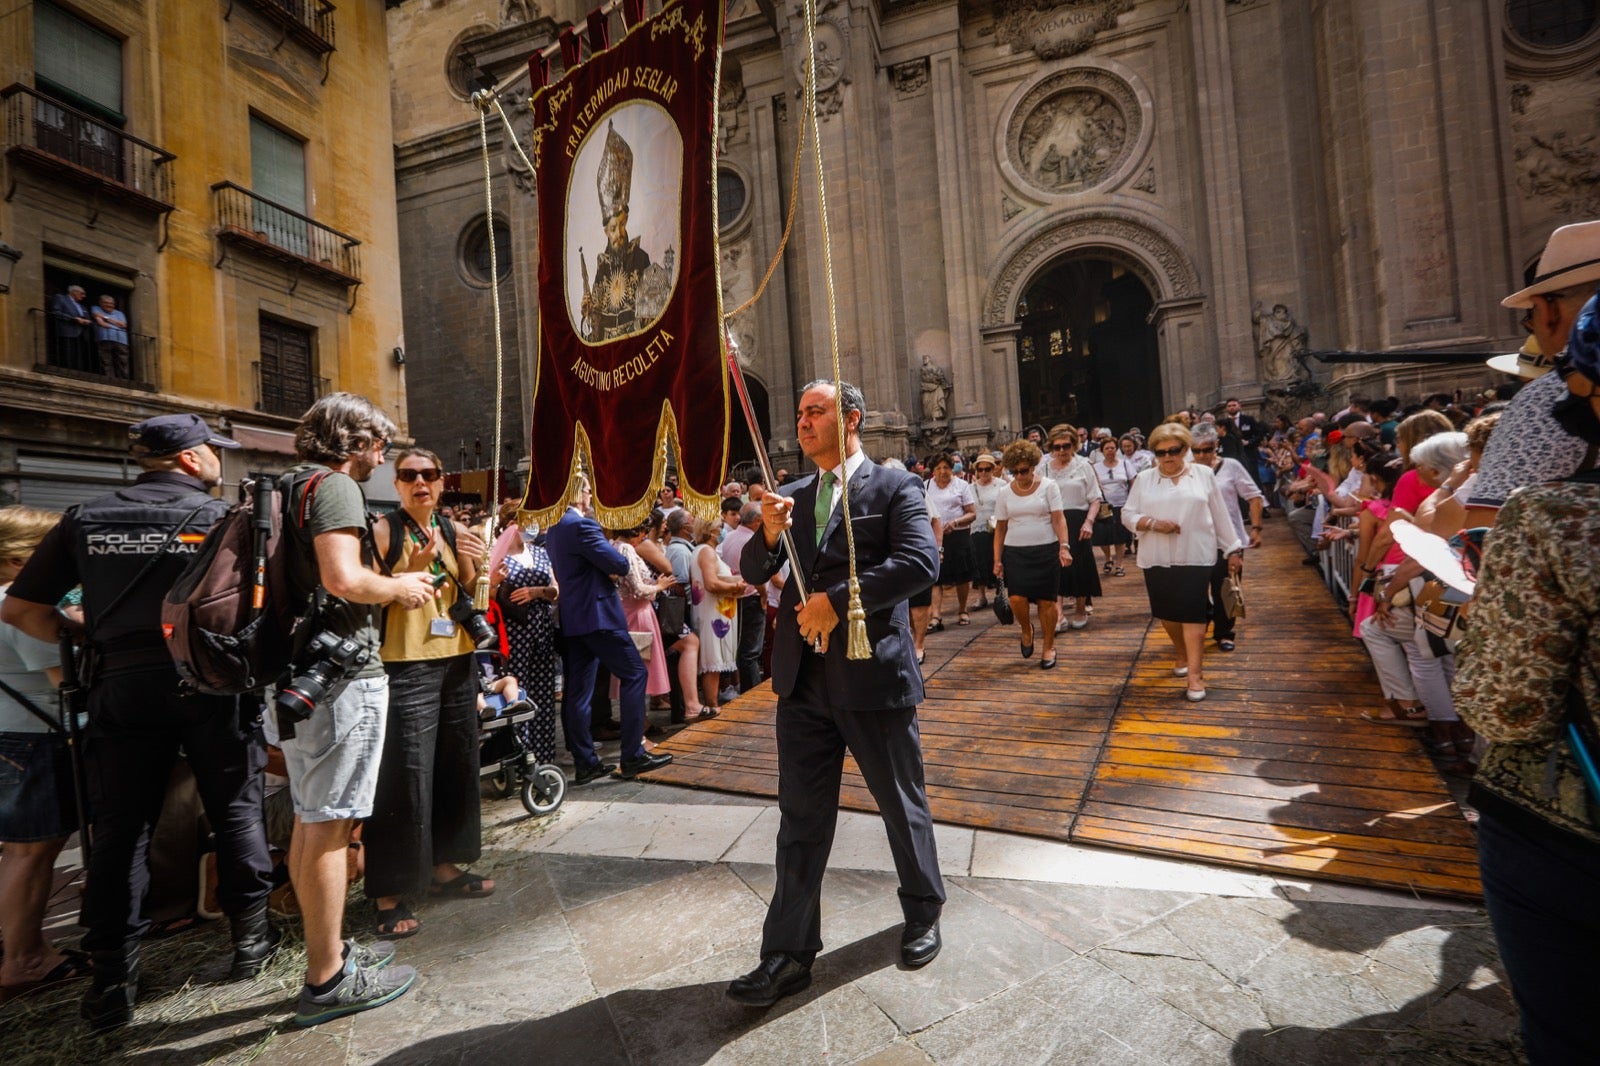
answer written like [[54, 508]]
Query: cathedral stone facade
[[1083, 210]]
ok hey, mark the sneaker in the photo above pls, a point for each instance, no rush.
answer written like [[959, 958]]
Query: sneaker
[[728, 695], [360, 988], [374, 956]]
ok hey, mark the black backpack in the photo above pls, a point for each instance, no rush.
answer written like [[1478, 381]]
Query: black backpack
[[231, 619]]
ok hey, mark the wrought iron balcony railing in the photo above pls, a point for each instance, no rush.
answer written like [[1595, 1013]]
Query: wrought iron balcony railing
[[63, 347], [73, 144], [308, 21], [287, 394], [277, 232]]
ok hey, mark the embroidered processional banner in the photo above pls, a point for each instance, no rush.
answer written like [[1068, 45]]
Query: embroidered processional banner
[[630, 306]]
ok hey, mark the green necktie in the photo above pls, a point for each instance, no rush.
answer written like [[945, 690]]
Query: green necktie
[[824, 506]]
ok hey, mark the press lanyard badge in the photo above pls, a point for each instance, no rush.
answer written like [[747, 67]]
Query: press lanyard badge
[[442, 627]]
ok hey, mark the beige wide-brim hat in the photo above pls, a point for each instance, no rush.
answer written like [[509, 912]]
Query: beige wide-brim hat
[[1528, 363], [1571, 257], [985, 457]]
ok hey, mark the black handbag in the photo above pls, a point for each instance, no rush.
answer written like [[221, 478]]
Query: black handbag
[[672, 614], [515, 613], [1002, 606]]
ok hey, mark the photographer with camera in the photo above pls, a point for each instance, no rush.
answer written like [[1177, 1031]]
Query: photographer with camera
[[425, 819], [333, 713], [126, 549]]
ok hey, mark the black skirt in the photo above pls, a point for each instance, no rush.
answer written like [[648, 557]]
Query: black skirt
[[1032, 571], [956, 566], [1081, 578], [983, 558], [1109, 531], [1179, 593]]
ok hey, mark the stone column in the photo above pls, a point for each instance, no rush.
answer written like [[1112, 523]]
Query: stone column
[[1228, 276], [999, 350]]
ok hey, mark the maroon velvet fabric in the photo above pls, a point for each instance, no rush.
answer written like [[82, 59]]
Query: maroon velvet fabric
[[607, 388]]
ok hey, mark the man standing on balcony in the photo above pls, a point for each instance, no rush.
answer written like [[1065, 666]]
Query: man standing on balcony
[[111, 338], [69, 325]]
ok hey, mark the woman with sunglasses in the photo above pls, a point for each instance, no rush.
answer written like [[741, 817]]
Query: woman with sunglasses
[[1080, 500], [1178, 513], [985, 490], [1115, 473], [1031, 547], [425, 818], [1530, 663]]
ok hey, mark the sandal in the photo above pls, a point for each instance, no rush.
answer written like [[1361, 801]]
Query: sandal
[[464, 885], [1415, 717], [705, 714], [74, 964], [1107, 568], [936, 625], [963, 620], [1119, 572], [389, 921]]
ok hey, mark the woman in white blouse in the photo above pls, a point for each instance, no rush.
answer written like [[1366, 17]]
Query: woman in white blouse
[[985, 490], [1115, 472], [1177, 512], [1080, 499], [951, 499], [1030, 546]]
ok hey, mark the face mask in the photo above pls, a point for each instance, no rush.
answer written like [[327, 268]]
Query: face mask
[[1576, 416]]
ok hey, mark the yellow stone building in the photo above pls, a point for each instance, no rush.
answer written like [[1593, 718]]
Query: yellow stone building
[[224, 173]]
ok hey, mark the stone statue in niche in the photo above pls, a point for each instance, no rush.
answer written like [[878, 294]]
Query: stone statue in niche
[[1279, 341], [1071, 138], [515, 11], [936, 383]]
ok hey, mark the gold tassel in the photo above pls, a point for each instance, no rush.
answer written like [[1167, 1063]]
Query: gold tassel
[[859, 647]]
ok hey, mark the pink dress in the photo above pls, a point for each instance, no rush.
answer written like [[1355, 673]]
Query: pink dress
[[638, 605], [1364, 603]]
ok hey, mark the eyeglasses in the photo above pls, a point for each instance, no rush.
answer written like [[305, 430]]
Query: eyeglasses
[[982, 469], [1168, 453], [1201, 451], [429, 475], [1065, 447]]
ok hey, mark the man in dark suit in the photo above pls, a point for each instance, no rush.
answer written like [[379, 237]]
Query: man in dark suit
[[594, 630], [828, 703], [71, 326]]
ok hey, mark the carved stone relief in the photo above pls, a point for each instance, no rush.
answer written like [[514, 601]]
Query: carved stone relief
[[911, 78], [1054, 30], [1520, 92], [515, 101], [831, 45], [1073, 131], [738, 283], [1009, 208], [1562, 170], [731, 126], [1136, 243], [515, 11], [1147, 183]]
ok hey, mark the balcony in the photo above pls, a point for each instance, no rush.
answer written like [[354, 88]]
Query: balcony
[[74, 145], [275, 232], [308, 21], [79, 357], [286, 394]]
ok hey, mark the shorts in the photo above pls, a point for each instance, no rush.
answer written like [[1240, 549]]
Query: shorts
[[35, 788], [333, 756]]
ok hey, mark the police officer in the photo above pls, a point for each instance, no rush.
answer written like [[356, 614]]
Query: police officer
[[127, 549]]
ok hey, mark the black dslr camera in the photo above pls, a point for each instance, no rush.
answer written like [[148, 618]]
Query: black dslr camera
[[329, 660], [474, 621]]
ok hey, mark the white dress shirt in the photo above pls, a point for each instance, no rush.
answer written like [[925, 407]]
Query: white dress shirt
[[1029, 519], [1195, 503], [1237, 486], [1080, 489]]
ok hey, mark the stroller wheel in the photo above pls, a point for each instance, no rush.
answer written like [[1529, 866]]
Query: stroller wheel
[[502, 783], [544, 790]]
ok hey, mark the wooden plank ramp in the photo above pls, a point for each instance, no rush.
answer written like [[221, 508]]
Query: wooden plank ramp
[[1274, 771]]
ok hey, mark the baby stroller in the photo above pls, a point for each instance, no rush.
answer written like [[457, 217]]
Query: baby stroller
[[502, 756]]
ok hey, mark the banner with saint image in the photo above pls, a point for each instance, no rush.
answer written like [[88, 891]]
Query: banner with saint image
[[630, 350]]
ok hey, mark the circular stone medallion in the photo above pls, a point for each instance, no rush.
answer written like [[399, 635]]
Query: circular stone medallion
[[1073, 131]]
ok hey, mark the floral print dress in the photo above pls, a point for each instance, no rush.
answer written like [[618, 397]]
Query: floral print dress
[[714, 618]]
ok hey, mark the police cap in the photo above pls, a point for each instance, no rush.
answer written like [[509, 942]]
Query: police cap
[[170, 434]]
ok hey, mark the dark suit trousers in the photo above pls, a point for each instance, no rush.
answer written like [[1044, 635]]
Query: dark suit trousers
[[813, 734], [752, 637], [581, 655]]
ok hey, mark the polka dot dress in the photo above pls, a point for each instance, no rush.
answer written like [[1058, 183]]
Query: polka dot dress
[[534, 661]]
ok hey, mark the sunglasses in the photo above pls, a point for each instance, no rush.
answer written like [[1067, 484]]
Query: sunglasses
[[1021, 470], [1067, 447], [1200, 451], [1168, 453], [429, 475], [981, 469]]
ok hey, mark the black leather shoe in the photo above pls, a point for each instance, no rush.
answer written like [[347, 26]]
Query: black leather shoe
[[919, 944], [632, 768], [778, 975], [593, 773]]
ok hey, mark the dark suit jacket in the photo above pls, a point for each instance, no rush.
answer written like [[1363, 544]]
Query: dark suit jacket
[[64, 309], [583, 562], [896, 558]]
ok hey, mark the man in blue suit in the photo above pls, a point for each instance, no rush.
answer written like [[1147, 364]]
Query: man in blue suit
[[828, 703], [594, 630]]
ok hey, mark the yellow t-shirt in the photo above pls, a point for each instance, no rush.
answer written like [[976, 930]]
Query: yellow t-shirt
[[409, 636]]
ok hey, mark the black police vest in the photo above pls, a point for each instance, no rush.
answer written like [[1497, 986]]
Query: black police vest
[[131, 546]]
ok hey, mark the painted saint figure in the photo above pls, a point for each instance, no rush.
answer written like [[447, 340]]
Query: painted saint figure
[[609, 307]]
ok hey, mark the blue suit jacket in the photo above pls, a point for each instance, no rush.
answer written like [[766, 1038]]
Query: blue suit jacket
[[584, 562], [896, 557]]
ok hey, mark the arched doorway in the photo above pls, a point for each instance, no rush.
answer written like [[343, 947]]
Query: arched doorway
[[741, 446], [1086, 351]]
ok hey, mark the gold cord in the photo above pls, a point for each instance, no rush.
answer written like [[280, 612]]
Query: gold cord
[[494, 290], [858, 647], [788, 224]]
